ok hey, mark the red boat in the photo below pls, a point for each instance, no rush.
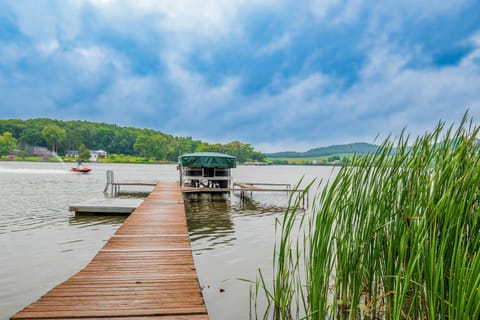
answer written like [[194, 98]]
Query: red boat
[[81, 170]]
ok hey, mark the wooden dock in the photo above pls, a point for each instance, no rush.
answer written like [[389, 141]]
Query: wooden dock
[[253, 186], [249, 187], [145, 271], [243, 186]]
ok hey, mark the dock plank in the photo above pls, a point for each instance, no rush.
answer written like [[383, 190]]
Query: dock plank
[[145, 271]]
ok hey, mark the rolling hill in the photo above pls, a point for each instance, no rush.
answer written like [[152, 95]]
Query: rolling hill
[[352, 148]]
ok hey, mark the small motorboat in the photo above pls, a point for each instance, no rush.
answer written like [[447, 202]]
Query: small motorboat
[[81, 170]]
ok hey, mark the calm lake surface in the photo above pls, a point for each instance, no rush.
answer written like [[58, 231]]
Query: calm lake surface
[[42, 244]]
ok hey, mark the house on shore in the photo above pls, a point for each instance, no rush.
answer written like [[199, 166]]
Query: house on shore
[[96, 154]]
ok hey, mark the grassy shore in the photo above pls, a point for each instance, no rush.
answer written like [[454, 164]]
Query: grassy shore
[[113, 158], [393, 236], [335, 159]]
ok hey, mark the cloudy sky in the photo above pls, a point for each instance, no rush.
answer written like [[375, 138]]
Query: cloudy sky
[[280, 75]]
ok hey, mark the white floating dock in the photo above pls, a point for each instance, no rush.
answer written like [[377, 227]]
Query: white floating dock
[[107, 206]]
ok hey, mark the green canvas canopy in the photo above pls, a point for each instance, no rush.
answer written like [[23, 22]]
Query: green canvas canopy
[[207, 160]]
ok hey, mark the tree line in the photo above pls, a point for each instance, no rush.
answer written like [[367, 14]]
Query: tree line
[[60, 136]]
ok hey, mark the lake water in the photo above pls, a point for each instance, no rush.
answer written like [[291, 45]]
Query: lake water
[[42, 244]]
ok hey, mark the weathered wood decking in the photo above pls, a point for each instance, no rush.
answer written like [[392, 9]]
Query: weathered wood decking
[[145, 271]]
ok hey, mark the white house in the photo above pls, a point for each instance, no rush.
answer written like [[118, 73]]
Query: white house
[[95, 154]]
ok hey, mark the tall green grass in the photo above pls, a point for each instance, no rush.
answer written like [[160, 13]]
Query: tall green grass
[[393, 236]]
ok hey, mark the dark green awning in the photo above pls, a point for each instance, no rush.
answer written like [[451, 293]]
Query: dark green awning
[[207, 160]]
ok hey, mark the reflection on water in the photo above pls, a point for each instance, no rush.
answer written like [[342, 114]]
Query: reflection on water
[[129, 194], [250, 207], [209, 221], [211, 218], [90, 219]]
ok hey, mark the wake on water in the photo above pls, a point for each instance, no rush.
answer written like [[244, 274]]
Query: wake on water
[[39, 171], [33, 171]]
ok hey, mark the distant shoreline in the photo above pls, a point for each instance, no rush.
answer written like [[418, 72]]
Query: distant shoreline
[[72, 161]]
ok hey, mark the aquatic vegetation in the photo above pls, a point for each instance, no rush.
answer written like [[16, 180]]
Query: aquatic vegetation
[[394, 235]]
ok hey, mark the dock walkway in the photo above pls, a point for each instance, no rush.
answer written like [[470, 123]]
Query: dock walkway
[[145, 271]]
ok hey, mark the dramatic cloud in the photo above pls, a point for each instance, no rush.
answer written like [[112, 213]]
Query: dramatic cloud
[[274, 74]]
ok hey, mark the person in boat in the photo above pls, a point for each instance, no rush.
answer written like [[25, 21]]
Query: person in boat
[[79, 164]]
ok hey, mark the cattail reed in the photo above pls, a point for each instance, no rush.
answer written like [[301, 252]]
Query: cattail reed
[[393, 235]]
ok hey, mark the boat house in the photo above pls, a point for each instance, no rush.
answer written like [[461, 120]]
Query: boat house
[[206, 170]]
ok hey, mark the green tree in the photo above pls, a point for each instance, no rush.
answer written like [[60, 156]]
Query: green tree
[[333, 158], [83, 153], [203, 147], [15, 127], [151, 146], [74, 139], [243, 152], [142, 146], [7, 143], [104, 138], [123, 142], [160, 147], [31, 136], [69, 135], [258, 156], [173, 149], [54, 135]]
